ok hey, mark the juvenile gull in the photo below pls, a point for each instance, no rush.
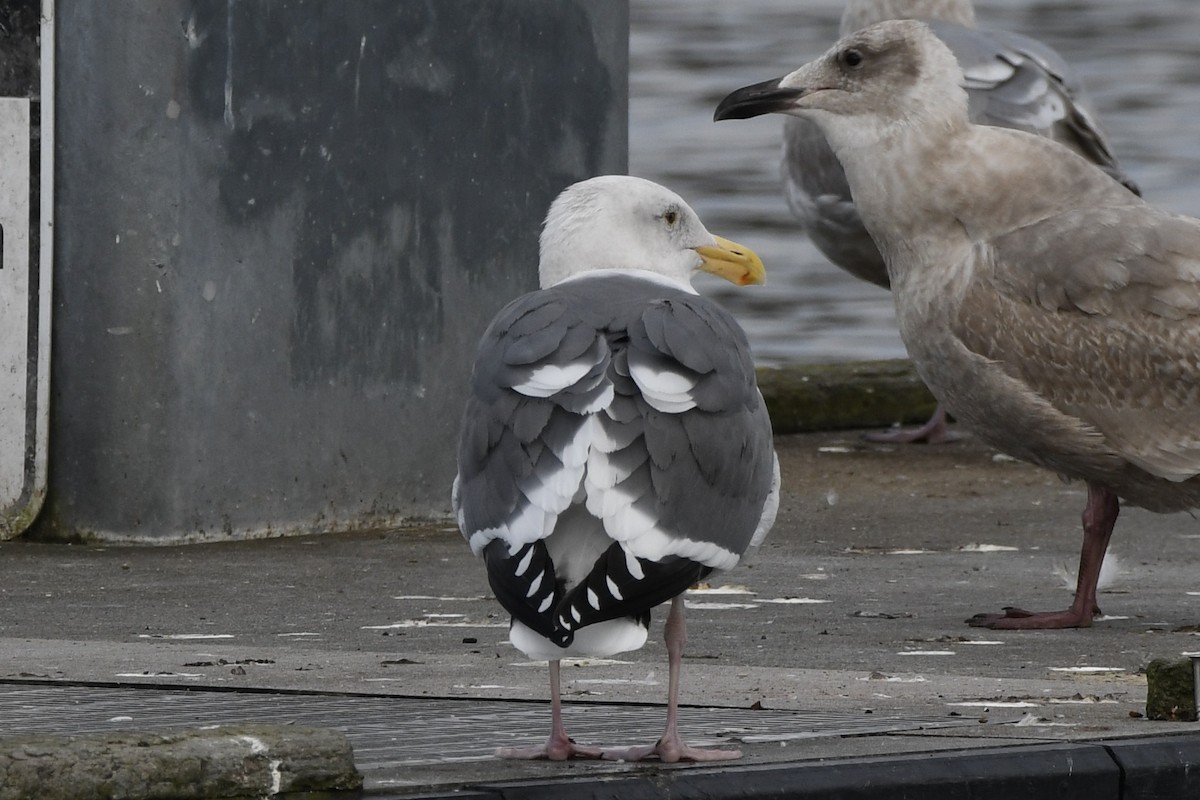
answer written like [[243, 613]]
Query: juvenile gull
[[615, 448], [1049, 308], [1012, 81]]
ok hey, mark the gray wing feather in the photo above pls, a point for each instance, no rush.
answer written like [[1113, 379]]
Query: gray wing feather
[[1101, 317], [701, 477], [1018, 82], [504, 434], [1127, 262], [712, 464]]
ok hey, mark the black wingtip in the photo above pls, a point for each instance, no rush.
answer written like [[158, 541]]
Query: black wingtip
[[755, 100]]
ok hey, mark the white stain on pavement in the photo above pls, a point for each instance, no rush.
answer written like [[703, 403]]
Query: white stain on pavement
[[185, 636], [574, 662], [432, 623], [793, 600]]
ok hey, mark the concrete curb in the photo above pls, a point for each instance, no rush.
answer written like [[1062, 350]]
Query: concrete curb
[[859, 394], [1133, 769], [220, 762]]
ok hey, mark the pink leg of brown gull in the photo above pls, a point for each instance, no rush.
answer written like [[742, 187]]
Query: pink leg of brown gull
[[935, 431], [670, 748], [559, 747], [1099, 517]]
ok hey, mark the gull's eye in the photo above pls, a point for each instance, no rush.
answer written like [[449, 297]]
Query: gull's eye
[[852, 58], [671, 216]]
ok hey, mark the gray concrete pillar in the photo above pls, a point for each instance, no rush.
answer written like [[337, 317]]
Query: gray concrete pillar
[[280, 229]]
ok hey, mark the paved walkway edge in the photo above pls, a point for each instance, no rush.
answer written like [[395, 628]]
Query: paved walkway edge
[[856, 394], [1131, 769]]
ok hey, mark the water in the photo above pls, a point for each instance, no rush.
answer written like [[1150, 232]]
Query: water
[[1139, 61]]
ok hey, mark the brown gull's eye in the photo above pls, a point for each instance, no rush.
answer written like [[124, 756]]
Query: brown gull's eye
[[852, 57]]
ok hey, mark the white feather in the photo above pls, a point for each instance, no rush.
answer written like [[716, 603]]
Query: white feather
[[611, 438], [565, 482], [556, 493], [607, 503], [770, 508], [665, 383], [602, 400], [480, 538], [632, 565], [551, 379], [575, 453], [531, 524], [601, 472], [655, 544], [598, 640], [524, 563], [665, 391], [628, 522]]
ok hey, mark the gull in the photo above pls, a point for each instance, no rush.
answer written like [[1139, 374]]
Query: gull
[[1012, 81], [1051, 310], [615, 448]]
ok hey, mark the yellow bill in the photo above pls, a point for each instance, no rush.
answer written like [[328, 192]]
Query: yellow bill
[[734, 262]]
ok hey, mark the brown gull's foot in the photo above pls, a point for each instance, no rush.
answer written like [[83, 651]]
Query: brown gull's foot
[[555, 749], [935, 431], [1016, 619], [670, 750]]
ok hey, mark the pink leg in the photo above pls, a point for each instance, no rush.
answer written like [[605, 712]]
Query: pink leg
[[559, 747], [670, 748], [935, 431], [1099, 517]]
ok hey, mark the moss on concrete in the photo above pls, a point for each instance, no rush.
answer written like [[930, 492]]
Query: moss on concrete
[[861, 394], [11, 527], [1171, 690], [236, 761]]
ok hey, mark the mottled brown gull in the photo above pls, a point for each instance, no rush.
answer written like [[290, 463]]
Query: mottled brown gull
[[1012, 81], [1051, 310], [615, 448]]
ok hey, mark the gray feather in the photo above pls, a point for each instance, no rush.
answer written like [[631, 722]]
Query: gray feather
[[704, 474]]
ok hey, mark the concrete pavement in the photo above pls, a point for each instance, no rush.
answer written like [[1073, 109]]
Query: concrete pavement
[[853, 609]]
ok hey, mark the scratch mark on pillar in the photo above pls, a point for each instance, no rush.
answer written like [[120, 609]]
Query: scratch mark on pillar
[[229, 64], [362, 47]]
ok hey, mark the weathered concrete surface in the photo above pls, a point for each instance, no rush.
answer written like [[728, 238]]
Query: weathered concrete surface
[[281, 229], [856, 603], [227, 762]]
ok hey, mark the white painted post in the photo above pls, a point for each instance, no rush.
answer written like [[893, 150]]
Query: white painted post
[[25, 297], [14, 298]]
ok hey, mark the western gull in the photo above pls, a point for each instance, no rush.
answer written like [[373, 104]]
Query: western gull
[[1049, 308], [615, 448], [1012, 81]]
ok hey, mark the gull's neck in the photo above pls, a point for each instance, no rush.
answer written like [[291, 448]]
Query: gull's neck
[[899, 181], [640, 274]]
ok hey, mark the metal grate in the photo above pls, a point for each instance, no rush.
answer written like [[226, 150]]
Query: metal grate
[[388, 732]]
